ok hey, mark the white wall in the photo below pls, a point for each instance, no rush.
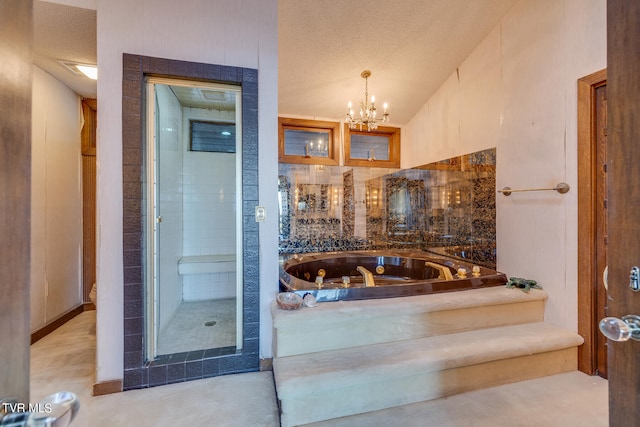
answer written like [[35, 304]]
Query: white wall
[[222, 32], [518, 92], [169, 158], [210, 192], [56, 200], [209, 209]]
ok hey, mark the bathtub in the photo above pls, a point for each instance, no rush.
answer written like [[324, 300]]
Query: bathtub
[[356, 275]]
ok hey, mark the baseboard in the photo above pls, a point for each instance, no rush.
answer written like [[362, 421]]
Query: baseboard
[[107, 387], [56, 323], [266, 364], [88, 306]]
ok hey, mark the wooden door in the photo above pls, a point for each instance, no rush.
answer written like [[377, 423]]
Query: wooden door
[[88, 141], [623, 64], [15, 196]]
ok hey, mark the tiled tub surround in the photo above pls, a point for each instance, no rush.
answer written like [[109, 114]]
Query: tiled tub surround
[[138, 372], [322, 207], [447, 207]]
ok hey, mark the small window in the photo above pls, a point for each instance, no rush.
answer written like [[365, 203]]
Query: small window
[[214, 137], [379, 148], [307, 141]]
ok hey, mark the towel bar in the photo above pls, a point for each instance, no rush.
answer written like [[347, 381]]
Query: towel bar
[[561, 188]]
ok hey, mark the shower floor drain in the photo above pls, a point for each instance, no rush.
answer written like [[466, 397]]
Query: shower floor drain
[[210, 323]]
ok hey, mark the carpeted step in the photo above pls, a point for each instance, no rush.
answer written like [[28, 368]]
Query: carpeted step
[[348, 381], [343, 324]]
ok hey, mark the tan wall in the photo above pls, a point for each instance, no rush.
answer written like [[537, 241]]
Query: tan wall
[[56, 199], [518, 92]]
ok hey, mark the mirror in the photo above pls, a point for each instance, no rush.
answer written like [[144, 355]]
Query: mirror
[[447, 207]]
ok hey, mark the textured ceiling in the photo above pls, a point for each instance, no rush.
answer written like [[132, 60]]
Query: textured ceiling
[[65, 33], [411, 47]]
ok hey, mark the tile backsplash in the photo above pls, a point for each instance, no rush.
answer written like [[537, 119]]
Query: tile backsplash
[[447, 207]]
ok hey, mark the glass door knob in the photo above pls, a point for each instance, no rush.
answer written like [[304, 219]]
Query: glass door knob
[[56, 410], [621, 329]]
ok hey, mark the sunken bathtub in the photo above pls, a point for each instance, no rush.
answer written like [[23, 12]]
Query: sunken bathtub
[[356, 275]]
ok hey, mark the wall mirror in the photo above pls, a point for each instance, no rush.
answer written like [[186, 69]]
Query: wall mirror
[[447, 207]]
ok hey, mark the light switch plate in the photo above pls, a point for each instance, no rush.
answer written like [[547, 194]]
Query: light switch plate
[[261, 213]]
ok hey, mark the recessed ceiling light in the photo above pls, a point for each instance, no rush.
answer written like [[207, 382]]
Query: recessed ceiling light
[[87, 70]]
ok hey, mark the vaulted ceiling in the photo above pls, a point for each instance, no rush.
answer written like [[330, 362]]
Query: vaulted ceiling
[[411, 47]]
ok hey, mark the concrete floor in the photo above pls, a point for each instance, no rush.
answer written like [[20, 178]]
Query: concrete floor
[[65, 360]]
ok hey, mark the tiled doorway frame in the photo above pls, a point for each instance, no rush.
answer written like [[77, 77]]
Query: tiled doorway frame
[[138, 372]]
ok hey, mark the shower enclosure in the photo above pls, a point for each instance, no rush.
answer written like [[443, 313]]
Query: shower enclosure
[[193, 225]]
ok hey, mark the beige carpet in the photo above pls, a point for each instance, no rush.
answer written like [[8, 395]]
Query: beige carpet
[[571, 399], [65, 360]]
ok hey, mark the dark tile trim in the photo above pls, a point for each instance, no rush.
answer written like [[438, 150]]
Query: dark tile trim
[[139, 373]]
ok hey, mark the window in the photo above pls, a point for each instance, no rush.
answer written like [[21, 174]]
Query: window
[[212, 136], [379, 148], [307, 141]]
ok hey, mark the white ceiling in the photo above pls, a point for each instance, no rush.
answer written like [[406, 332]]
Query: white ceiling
[[65, 33], [411, 47]]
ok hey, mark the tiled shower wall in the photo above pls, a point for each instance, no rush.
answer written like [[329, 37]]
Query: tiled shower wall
[[209, 193], [198, 199], [170, 159], [447, 207]]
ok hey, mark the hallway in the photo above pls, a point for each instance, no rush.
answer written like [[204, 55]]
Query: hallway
[[64, 360]]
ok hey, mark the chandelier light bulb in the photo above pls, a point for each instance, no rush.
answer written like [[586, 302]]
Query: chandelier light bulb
[[373, 99]]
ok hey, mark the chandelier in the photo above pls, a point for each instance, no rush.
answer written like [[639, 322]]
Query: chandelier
[[368, 116]]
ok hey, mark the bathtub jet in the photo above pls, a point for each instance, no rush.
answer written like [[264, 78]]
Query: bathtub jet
[[357, 275]]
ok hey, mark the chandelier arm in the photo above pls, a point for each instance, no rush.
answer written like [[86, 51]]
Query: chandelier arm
[[368, 115]]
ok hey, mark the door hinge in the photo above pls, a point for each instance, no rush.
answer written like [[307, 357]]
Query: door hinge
[[604, 167], [604, 203]]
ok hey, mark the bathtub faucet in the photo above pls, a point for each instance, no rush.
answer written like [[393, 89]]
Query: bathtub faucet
[[367, 276]]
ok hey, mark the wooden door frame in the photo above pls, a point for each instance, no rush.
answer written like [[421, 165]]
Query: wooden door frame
[[16, 73], [586, 219]]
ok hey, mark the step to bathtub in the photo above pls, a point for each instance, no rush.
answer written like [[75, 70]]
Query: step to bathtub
[[332, 384], [344, 324]]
